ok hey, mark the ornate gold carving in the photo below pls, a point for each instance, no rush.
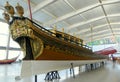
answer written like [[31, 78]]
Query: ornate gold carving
[[9, 9], [6, 17], [47, 47], [19, 9], [37, 47], [21, 28]]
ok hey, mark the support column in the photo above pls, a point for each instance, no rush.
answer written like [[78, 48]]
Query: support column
[[72, 70], [52, 75], [79, 69], [35, 78]]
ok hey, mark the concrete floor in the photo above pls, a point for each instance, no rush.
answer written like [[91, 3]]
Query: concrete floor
[[109, 73]]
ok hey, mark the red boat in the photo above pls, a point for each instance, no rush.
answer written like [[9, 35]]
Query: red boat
[[107, 51], [8, 61]]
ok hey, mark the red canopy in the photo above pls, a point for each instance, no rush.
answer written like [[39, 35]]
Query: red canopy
[[107, 51]]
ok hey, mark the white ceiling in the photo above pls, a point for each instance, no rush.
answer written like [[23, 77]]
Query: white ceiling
[[88, 19]]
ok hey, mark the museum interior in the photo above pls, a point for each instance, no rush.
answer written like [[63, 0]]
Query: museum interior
[[59, 41]]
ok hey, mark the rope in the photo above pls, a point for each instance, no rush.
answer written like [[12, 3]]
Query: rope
[[30, 9]]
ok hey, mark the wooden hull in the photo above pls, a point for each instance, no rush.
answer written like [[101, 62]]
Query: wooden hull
[[52, 55], [48, 47], [41, 44]]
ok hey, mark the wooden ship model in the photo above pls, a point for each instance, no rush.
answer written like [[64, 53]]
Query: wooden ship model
[[39, 43]]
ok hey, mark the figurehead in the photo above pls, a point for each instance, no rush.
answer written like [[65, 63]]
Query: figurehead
[[9, 9], [20, 10]]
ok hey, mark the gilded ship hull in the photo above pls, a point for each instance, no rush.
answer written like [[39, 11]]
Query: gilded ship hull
[[49, 47], [39, 43]]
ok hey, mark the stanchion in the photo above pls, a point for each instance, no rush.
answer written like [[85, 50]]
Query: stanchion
[[35, 78], [72, 70], [52, 75]]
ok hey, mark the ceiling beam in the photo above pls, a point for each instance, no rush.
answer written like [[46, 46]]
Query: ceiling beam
[[98, 38], [82, 31], [84, 18], [107, 34], [41, 5], [88, 36], [102, 36], [83, 23], [108, 21], [72, 14], [92, 20], [97, 33], [93, 28], [96, 27], [10, 48], [79, 11], [116, 30], [38, 7], [100, 26], [117, 34], [110, 2]]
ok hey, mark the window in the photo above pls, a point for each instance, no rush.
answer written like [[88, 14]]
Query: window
[[4, 39]]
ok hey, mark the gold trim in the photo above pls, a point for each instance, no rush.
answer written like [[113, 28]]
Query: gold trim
[[37, 47]]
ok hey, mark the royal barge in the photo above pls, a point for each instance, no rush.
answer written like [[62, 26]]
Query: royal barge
[[39, 43], [47, 50]]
